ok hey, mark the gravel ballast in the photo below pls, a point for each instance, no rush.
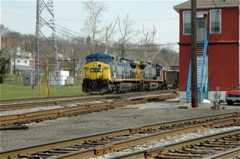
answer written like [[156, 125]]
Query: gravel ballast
[[165, 141], [118, 118]]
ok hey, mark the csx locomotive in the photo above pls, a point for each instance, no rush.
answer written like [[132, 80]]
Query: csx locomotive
[[105, 73]]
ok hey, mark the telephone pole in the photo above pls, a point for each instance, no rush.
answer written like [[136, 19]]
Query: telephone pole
[[194, 89]]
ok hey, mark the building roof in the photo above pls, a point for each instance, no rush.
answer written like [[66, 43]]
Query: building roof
[[207, 4], [24, 68]]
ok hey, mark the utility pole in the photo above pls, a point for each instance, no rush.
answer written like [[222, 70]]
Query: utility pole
[[123, 51], [14, 66], [194, 90]]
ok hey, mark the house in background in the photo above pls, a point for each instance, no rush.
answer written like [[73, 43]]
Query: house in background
[[218, 47], [21, 62]]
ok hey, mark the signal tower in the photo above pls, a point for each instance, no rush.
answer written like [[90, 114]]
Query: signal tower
[[46, 46]]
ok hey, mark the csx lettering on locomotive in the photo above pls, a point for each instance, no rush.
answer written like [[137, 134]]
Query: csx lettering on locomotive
[[95, 69]]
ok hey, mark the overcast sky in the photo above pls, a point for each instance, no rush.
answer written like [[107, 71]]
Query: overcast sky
[[20, 16]]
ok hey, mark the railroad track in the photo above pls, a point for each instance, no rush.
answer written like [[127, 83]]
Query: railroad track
[[50, 101], [30, 100], [104, 143], [223, 145], [77, 110]]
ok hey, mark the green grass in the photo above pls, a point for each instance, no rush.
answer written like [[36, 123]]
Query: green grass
[[8, 91]]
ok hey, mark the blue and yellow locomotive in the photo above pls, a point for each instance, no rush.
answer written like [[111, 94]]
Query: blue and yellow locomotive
[[105, 73]]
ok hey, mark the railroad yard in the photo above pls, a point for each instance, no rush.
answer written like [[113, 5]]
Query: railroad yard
[[101, 132], [141, 80]]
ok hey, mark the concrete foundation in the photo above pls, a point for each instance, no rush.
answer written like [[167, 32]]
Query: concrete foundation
[[182, 95]]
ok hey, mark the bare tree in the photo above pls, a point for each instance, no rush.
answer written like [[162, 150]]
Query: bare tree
[[110, 30], [125, 28], [148, 41], [126, 31], [10, 42], [94, 11], [29, 43], [64, 44]]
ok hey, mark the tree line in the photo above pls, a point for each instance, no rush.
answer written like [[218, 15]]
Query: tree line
[[130, 44]]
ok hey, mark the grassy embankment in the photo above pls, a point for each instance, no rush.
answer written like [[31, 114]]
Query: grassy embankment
[[18, 92], [13, 88]]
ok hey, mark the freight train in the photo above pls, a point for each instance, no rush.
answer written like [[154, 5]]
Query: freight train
[[105, 73]]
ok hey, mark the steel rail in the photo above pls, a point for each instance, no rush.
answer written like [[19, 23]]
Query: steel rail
[[75, 110], [164, 152], [126, 144], [183, 126], [50, 101], [232, 153], [30, 100]]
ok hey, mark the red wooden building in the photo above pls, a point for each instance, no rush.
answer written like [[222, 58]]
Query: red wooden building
[[218, 33]]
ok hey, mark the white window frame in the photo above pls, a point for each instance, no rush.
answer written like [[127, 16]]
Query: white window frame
[[220, 21], [185, 12]]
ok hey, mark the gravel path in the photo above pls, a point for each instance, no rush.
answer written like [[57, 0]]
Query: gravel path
[[118, 118]]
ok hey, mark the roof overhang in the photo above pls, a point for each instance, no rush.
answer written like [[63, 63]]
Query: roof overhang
[[205, 4]]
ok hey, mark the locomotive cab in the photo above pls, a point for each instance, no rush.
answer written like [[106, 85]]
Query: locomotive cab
[[96, 73], [104, 58]]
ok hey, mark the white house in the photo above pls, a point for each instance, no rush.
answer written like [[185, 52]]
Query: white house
[[22, 61]]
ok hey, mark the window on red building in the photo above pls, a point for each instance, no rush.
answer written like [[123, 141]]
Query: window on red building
[[186, 22], [215, 21]]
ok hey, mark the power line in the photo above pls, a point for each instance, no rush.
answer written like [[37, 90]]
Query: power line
[[77, 20], [17, 14], [66, 29], [73, 34]]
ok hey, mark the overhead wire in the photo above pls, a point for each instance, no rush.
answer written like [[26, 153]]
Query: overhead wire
[[73, 34]]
